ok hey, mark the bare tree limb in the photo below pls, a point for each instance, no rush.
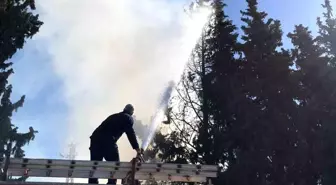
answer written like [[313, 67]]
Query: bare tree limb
[[196, 112], [186, 141]]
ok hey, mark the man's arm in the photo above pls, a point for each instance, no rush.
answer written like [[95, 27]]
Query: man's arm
[[131, 135]]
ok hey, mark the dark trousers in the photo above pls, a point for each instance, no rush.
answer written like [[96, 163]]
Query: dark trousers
[[98, 152]]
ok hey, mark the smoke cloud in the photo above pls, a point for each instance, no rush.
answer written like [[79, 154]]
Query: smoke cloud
[[109, 53]]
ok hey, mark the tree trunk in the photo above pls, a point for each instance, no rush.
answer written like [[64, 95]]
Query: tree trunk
[[7, 158]]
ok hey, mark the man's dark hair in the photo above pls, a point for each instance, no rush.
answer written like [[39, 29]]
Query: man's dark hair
[[129, 109]]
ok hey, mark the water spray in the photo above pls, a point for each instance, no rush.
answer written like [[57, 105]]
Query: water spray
[[196, 14], [159, 114]]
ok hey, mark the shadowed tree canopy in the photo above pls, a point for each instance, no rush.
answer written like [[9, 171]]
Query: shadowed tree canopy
[[323, 99], [264, 113], [17, 23]]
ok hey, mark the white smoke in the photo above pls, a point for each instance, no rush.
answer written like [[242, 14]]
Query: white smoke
[[109, 53]]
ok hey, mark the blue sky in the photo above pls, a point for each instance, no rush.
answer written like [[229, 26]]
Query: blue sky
[[46, 108], [289, 12]]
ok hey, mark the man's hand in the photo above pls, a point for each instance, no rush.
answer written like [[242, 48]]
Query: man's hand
[[140, 153], [138, 150]]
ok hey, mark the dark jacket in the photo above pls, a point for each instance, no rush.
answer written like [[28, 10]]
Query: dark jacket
[[111, 129]]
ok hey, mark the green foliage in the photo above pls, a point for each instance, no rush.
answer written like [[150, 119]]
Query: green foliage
[[17, 23], [327, 32]]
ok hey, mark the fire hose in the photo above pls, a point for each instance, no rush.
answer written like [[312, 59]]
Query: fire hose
[[130, 177]]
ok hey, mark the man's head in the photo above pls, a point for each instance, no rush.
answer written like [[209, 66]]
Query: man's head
[[129, 109]]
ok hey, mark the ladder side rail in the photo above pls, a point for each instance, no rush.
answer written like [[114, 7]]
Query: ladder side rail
[[116, 170], [106, 174], [112, 164], [70, 162], [66, 169], [145, 170]]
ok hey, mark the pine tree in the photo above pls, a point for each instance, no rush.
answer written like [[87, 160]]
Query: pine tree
[[314, 78], [327, 32], [225, 86], [197, 135], [264, 134], [324, 99], [17, 24], [263, 121]]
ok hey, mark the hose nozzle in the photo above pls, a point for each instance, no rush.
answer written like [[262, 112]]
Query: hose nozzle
[[140, 155]]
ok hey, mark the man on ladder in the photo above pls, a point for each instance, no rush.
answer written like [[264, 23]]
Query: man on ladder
[[104, 138]]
